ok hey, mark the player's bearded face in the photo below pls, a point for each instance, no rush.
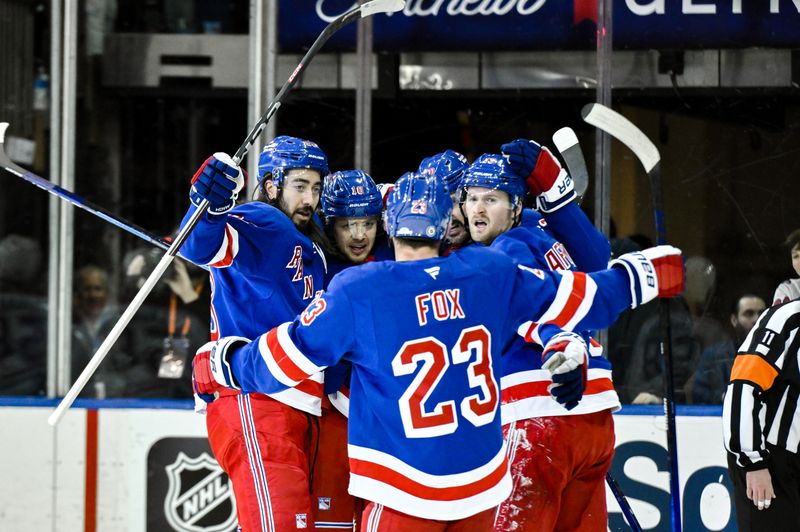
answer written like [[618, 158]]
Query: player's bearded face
[[457, 232], [489, 213], [300, 195], [355, 237]]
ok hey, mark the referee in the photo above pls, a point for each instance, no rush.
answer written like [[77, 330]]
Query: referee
[[761, 423]]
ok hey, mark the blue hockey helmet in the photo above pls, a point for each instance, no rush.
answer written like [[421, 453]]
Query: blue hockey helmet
[[448, 166], [286, 153], [491, 170], [350, 194], [419, 206]]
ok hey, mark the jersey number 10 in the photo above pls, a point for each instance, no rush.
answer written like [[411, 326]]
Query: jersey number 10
[[479, 408]]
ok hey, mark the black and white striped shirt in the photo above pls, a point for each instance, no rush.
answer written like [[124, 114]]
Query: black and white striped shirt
[[761, 402]]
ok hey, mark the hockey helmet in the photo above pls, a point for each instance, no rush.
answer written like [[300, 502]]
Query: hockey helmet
[[350, 194], [491, 170], [448, 166], [287, 153], [419, 206]]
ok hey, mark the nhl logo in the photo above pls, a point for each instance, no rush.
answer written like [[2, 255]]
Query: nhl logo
[[199, 497]]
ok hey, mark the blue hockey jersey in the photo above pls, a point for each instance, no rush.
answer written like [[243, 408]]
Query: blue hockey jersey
[[264, 272], [544, 243], [424, 339]]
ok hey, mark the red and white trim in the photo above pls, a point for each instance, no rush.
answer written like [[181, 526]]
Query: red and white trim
[[286, 363], [525, 395], [306, 396], [387, 480], [291, 367], [573, 301], [228, 250]]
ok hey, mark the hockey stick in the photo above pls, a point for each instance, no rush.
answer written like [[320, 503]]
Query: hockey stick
[[82, 203], [627, 511], [367, 9], [567, 144], [623, 130]]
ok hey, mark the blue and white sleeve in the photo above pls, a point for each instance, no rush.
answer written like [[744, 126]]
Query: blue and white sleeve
[[292, 351]]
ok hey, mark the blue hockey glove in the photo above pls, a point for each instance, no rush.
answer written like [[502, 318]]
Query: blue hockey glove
[[219, 181], [565, 357], [547, 180], [211, 369]]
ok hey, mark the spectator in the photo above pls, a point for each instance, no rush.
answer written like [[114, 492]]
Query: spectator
[[92, 319], [714, 366], [644, 378], [789, 289], [164, 330], [693, 330]]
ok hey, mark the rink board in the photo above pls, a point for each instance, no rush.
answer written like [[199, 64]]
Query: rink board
[[154, 471]]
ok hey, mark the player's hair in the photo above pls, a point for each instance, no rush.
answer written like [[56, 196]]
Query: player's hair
[[734, 308], [792, 240], [311, 229], [418, 243]]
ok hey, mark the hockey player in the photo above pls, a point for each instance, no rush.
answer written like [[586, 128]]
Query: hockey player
[[266, 266], [449, 166], [352, 206], [560, 450], [425, 440]]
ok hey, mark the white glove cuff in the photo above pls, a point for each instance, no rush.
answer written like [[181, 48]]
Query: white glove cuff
[[561, 193], [220, 360], [643, 279]]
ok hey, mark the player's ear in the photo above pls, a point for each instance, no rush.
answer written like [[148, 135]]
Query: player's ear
[[270, 189]]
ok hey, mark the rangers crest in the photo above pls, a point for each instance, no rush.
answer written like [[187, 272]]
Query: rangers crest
[[200, 496]]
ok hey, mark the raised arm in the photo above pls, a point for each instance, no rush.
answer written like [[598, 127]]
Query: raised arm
[[219, 181], [554, 190]]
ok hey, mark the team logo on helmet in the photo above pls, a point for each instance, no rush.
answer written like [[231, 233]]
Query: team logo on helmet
[[200, 496]]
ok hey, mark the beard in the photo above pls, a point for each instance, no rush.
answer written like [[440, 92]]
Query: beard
[[303, 226]]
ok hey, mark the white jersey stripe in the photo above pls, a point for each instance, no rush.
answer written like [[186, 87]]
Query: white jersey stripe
[[375, 490], [228, 250], [272, 365], [294, 354], [434, 481], [300, 400], [772, 437], [585, 305], [562, 297]]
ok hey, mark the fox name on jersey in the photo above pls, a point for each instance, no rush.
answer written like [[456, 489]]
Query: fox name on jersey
[[420, 390]]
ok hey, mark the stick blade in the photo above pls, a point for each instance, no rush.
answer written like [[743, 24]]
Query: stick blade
[[381, 6], [567, 144], [623, 130]]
